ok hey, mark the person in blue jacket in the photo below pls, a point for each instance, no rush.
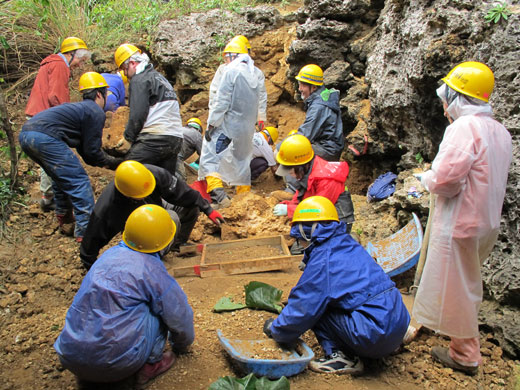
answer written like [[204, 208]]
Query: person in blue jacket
[[343, 295], [48, 137], [116, 90], [322, 125], [127, 307]]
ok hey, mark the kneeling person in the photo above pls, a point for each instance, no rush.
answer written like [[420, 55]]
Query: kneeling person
[[263, 156], [136, 184], [126, 308], [343, 295]]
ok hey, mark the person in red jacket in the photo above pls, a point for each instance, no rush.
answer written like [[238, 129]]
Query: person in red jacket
[[314, 176], [50, 89]]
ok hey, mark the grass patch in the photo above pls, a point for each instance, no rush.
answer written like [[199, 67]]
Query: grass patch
[[32, 29]]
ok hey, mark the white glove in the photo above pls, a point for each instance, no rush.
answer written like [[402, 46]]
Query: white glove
[[280, 210]]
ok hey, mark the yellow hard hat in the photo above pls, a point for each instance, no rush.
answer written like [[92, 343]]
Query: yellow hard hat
[[473, 79], [235, 46], [295, 150], [124, 52], [149, 229], [292, 132], [134, 180], [123, 76], [272, 132], [243, 39], [311, 74], [195, 121], [315, 208], [90, 80], [72, 43]]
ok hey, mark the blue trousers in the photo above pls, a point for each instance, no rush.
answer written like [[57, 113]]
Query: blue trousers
[[373, 330], [71, 184]]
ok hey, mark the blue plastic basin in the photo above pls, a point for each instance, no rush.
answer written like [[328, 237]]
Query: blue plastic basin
[[291, 364]]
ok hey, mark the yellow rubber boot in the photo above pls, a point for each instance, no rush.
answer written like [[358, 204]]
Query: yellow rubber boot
[[213, 182], [240, 189]]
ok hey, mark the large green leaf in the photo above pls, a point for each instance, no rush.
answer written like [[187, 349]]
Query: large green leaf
[[250, 382], [263, 296], [227, 304]]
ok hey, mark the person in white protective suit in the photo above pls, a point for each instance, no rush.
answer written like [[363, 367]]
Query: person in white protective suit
[[215, 83], [227, 145], [468, 177]]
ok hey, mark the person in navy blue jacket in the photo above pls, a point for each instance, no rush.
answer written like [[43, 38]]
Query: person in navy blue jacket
[[343, 295], [48, 137], [127, 307]]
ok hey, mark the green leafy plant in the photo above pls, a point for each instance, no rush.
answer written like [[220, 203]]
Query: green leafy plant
[[498, 12], [419, 158]]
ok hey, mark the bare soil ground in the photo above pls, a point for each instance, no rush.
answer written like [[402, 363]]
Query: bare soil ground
[[40, 272]]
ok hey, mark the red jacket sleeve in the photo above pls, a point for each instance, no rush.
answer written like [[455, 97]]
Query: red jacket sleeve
[[291, 205]]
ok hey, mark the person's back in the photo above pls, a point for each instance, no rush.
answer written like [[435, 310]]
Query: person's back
[[237, 101], [191, 143], [79, 125], [150, 89], [51, 87], [123, 300], [116, 91], [487, 142]]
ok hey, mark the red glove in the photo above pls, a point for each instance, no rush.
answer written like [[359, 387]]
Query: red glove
[[216, 217], [261, 125]]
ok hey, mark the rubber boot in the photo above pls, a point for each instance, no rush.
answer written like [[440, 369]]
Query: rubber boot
[[241, 189], [152, 370]]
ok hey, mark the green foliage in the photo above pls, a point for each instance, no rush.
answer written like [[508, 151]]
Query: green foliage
[[6, 197], [263, 296], [250, 382], [419, 158], [497, 13], [227, 304], [102, 23]]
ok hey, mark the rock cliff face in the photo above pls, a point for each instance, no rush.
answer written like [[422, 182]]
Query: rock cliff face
[[386, 58]]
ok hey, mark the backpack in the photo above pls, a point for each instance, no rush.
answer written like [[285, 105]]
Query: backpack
[[382, 187]]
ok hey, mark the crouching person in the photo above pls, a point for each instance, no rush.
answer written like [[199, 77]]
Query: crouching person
[[126, 308], [134, 185], [343, 295]]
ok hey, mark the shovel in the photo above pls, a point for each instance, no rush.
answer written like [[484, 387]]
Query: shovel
[[409, 298]]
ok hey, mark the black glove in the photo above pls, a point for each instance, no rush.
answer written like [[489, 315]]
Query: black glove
[[207, 133], [267, 327]]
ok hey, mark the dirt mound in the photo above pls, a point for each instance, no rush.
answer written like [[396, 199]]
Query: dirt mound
[[249, 215], [115, 127]]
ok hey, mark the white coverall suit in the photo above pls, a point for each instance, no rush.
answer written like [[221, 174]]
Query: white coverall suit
[[233, 117], [469, 176]]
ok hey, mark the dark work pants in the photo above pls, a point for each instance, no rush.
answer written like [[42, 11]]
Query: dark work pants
[[258, 166], [187, 217], [160, 150]]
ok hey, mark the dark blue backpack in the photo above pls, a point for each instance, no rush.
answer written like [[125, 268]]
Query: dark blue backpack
[[382, 187]]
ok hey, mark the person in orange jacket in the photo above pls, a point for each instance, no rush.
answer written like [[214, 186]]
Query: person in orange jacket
[[50, 89], [314, 176]]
